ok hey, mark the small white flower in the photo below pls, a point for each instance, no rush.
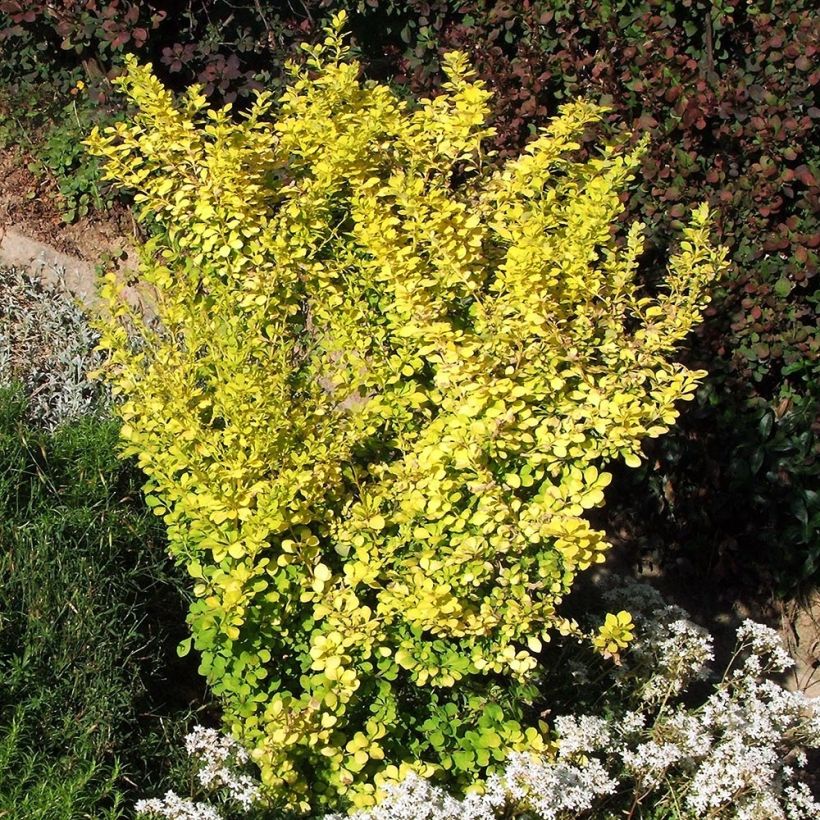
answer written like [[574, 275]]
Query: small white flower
[[548, 791], [552, 790], [758, 806], [417, 799], [688, 732], [800, 804], [630, 723], [766, 648], [174, 807], [648, 762], [731, 769], [679, 650], [219, 754], [584, 733]]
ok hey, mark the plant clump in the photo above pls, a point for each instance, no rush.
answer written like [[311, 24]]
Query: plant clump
[[47, 346], [88, 612], [385, 385], [666, 737]]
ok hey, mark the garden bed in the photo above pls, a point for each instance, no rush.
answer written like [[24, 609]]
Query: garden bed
[[717, 514]]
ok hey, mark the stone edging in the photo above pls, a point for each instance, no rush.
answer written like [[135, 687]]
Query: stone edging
[[76, 275], [20, 251]]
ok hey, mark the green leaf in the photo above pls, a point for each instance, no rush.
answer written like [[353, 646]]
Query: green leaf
[[463, 760], [782, 287], [765, 424]]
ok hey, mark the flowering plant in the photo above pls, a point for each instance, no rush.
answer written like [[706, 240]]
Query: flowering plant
[[734, 755], [653, 748], [220, 760]]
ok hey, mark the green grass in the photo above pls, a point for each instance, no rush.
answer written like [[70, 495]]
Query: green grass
[[36, 784], [93, 699]]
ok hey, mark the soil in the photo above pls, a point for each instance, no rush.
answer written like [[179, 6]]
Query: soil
[[31, 205], [34, 235]]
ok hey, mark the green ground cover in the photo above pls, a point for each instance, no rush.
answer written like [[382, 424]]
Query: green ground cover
[[91, 700]]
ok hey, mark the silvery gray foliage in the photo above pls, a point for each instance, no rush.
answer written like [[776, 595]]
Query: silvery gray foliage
[[47, 345]]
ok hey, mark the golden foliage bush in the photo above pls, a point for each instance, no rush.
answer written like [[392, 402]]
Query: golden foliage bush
[[379, 399]]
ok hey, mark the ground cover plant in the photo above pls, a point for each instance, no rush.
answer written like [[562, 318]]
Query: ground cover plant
[[90, 607], [661, 735], [43, 127], [385, 385], [79, 575], [47, 346]]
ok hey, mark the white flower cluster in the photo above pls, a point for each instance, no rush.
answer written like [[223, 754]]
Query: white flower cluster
[[536, 787], [418, 799], [800, 803], [683, 652], [174, 807], [582, 733], [766, 650], [686, 731], [672, 651], [551, 790], [749, 729], [649, 761], [729, 757], [731, 770], [218, 756]]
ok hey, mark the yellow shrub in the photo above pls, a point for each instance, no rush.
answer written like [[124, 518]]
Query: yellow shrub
[[383, 387]]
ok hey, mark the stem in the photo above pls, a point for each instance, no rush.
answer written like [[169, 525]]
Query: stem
[[674, 796], [709, 44]]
